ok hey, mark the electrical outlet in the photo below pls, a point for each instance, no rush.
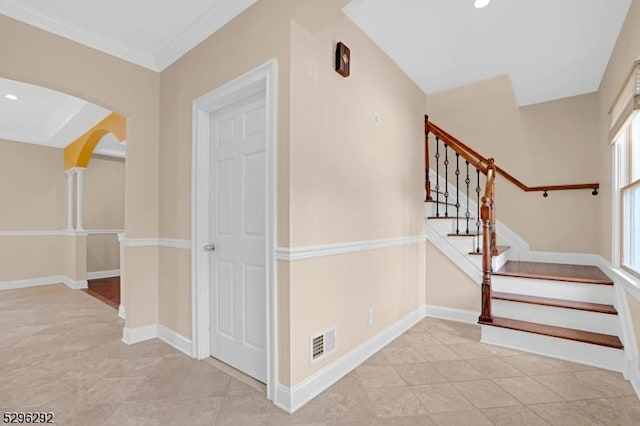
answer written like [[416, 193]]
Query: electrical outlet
[[370, 317]]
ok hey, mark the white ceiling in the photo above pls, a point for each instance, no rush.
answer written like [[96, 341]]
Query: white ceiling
[[550, 48], [150, 33], [46, 117]]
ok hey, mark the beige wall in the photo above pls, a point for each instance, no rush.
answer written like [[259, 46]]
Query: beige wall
[[35, 56], [20, 259], [351, 181], [33, 185], [104, 181], [175, 270], [634, 310], [75, 256], [626, 51], [339, 177], [447, 285], [103, 253], [339, 290], [140, 286], [548, 143], [256, 36], [33, 188]]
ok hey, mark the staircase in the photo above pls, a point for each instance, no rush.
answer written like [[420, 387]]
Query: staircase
[[558, 310]]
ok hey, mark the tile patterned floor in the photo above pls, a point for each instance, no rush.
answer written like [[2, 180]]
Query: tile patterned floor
[[60, 350]]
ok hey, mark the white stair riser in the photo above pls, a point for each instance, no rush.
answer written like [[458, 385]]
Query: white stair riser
[[569, 350], [497, 261], [441, 226], [430, 208], [448, 226], [593, 293], [560, 317], [464, 245]]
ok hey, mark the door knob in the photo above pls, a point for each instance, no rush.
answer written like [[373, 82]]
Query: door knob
[[210, 247]]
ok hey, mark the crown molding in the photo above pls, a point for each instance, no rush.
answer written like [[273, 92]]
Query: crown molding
[[219, 15], [32, 17]]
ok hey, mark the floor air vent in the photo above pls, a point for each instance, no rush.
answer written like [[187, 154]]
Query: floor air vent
[[322, 344]]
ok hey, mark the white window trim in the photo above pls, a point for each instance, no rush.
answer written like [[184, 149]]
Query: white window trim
[[618, 162]]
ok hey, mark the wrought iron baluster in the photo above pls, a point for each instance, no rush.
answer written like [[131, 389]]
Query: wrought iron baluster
[[457, 193], [478, 213], [446, 181], [437, 176], [467, 181]]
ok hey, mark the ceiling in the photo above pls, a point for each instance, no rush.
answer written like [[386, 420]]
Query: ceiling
[[46, 117], [150, 33], [549, 48]]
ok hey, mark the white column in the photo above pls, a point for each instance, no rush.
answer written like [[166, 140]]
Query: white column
[[79, 198], [69, 174]]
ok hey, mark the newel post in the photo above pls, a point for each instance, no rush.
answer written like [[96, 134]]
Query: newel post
[[492, 211], [427, 182], [485, 214]]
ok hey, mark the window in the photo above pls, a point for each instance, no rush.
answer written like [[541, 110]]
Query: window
[[628, 179]]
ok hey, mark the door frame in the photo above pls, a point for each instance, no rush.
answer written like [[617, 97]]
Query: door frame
[[264, 77]]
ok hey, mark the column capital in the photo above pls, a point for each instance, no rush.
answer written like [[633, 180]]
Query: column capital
[[74, 170]]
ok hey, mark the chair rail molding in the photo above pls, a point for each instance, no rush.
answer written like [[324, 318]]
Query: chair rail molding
[[291, 254]]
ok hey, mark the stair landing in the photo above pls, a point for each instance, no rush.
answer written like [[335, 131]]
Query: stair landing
[[554, 272]]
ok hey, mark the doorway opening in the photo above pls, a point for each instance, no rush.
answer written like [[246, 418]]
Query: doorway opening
[[234, 224]]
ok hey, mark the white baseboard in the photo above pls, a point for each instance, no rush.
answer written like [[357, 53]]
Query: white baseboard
[[175, 339], [31, 282], [290, 399], [452, 314], [633, 375], [75, 284], [103, 274], [131, 336], [122, 311], [34, 282]]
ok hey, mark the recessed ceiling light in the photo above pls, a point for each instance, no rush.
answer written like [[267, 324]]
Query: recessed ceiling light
[[11, 97], [479, 4]]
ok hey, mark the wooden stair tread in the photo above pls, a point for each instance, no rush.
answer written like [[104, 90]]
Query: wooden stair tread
[[501, 249], [450, 217], [463, 234], [439, 202], [584, 274], [560, 332], [560, 303]]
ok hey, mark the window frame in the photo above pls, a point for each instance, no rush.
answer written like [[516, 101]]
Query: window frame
[[624, 169]]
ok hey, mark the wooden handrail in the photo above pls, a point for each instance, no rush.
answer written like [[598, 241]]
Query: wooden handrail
[[487, 167], [464, 150], [475, 159]]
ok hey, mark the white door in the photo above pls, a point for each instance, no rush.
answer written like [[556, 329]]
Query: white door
[[238, 195]]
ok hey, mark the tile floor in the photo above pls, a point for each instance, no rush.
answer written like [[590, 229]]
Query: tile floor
[[60, 351]]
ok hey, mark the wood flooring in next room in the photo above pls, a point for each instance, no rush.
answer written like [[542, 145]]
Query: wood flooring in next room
[[106, 290]]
